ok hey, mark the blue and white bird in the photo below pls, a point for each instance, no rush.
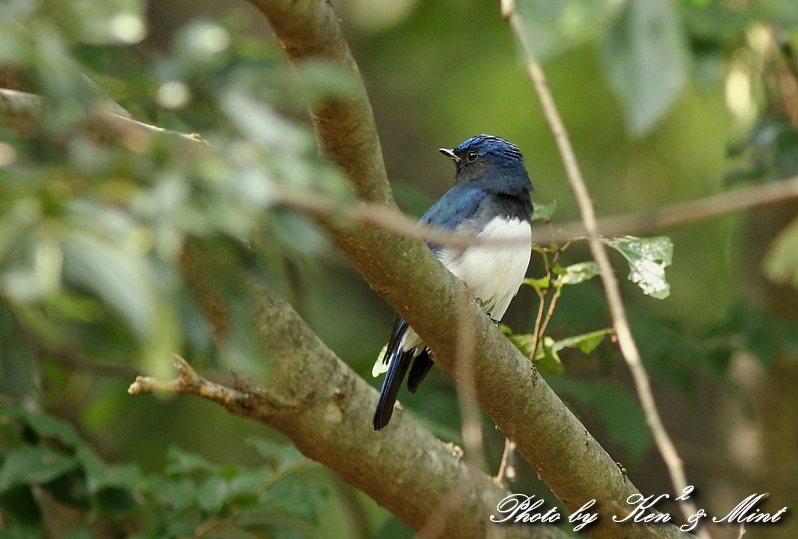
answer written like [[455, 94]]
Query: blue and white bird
[[490, 199]]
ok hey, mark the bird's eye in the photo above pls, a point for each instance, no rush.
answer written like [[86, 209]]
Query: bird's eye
[[471, 156]]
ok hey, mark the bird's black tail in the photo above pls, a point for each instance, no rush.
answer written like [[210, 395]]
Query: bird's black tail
[[398, 361]]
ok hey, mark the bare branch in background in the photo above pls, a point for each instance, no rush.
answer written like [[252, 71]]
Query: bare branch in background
[[617, 310], [22, 111]]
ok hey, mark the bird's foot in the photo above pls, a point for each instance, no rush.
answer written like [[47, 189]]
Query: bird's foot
[[497, 322]]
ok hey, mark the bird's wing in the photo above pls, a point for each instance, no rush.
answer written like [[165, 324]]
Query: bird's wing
[[458, 205]]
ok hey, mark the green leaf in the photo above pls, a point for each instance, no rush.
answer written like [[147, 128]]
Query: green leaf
[[647, 259], [544, 211], [587, 342], [100, 475], [20, 508], [261, 125], [182, 463], [212, 493], [645, 56], [283, 455], [124, 280], [539, 284], [523, 342], [42, 424], [34, 466], [576, 273], [247, 482], [547, 360], [179, 494], [554, 26], [295, 498], [781, 262]]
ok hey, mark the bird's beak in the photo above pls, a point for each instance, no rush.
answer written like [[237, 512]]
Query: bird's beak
[[448, 152]]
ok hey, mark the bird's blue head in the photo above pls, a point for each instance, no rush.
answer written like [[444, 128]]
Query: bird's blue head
[[493, 163]]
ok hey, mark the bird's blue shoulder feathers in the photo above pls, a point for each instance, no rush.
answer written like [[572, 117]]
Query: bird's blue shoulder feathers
[[460, 202]]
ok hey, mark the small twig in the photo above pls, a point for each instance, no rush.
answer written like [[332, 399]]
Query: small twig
[[691, 211], [626, 340], [553, 302], [550, 312], [542, 294], [506, 469], [471, 423], [542, 322], [189, 382], [538, 321]]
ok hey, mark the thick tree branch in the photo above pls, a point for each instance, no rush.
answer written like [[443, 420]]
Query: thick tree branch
[[324, 407]]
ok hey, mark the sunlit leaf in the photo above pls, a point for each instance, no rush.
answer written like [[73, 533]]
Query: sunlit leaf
[[781, 262], [587, 342], [645, 56], [647, 259], [576, 273], [539, 284]]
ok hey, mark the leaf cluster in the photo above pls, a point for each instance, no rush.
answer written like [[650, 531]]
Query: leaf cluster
[[190, 497]]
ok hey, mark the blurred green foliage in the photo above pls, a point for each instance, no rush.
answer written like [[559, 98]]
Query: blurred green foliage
[[191, 496], [664, 101]]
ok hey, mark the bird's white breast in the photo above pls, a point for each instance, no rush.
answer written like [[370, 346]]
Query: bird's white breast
[[493, 273]]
